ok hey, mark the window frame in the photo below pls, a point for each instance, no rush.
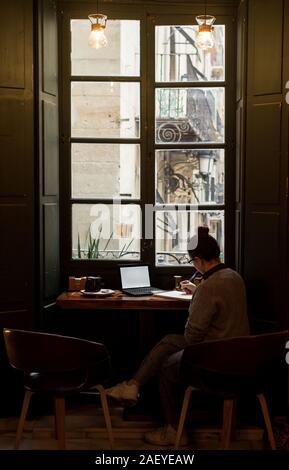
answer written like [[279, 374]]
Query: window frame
[[229, 130], [149, 16]]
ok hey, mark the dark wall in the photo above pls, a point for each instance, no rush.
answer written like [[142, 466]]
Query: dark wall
[[29, 232], [262, 151], [17, 257], [17, 183], [29, 255]]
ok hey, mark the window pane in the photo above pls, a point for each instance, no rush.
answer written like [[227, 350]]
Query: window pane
[[179, 60], [105, 170], [119, 58], [189, 176], [106, 232], [190, 115], [105, 109], [174, 228]]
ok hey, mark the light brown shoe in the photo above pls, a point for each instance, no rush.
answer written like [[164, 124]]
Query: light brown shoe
[[124, 393]]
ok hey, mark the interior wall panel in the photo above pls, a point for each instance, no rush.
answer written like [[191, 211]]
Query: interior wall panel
[[15, 161], [50, 150], [51, 240], [262, 264], [267, 26], [239, 152], [12, 44], [16, 262], [265, 230], [49, 47], [241, 49], [48, 155], [240, 130], [238, 261], [17, 164], [264, 153]]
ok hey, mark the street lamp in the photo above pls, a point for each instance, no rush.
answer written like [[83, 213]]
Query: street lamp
[[206, 160]]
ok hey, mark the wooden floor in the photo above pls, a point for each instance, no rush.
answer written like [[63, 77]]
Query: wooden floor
[[85, 430]]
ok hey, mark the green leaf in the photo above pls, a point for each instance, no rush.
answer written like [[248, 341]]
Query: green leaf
[[125, 248], [78, 246], [107, 243]]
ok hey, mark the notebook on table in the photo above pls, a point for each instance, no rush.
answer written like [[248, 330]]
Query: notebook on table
[[175, 294], [135, 280]]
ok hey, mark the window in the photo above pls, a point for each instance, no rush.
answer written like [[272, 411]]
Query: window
[[147, 127], [189, 139], [105, 142]]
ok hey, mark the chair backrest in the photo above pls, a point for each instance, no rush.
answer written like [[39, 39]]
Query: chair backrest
[[44, 352], [246, 356]]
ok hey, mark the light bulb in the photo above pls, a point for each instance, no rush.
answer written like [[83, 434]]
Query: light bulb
[[205, 38], [97, 38]]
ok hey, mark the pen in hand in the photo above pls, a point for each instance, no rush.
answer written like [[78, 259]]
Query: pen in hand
[[188, 287]]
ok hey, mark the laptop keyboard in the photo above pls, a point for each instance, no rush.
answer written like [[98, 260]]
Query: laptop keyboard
[[139, 291]]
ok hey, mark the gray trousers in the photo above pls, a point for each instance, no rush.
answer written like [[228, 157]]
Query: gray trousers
[[171, 388], [164, 360]]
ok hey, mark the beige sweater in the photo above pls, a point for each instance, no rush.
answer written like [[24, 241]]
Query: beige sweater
[[218, 308]]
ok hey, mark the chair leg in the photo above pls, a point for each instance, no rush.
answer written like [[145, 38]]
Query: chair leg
[[55, 421], [60, 421], [228, 411], [267, 420], [106, 414], [234, 421], [22, 418], [183, 416]]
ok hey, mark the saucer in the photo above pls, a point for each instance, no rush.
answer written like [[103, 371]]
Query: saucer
[[100, 293]]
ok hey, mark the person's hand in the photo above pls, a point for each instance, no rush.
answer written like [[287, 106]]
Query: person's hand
[[188, 287]]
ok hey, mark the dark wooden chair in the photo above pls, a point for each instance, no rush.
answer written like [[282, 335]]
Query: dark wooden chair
[[229, 368], [60, 365]]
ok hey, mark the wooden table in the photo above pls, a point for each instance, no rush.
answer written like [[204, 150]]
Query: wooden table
[[134, 325], [77, 301], [145, 307], [122, 322]]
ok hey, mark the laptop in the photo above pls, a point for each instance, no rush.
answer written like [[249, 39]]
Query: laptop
[[135, 280]]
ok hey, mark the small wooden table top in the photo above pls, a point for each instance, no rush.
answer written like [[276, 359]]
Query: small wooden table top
[[118, 301]]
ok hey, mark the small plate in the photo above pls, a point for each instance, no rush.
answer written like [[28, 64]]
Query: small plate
[[100, 293]]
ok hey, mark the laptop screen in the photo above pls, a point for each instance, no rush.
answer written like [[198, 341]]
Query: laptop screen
[[134, 276]]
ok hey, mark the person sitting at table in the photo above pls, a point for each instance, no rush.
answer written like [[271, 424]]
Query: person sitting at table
[[217, 310]]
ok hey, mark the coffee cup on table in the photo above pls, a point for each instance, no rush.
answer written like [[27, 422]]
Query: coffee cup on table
[[93, 283], [178, 282]]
